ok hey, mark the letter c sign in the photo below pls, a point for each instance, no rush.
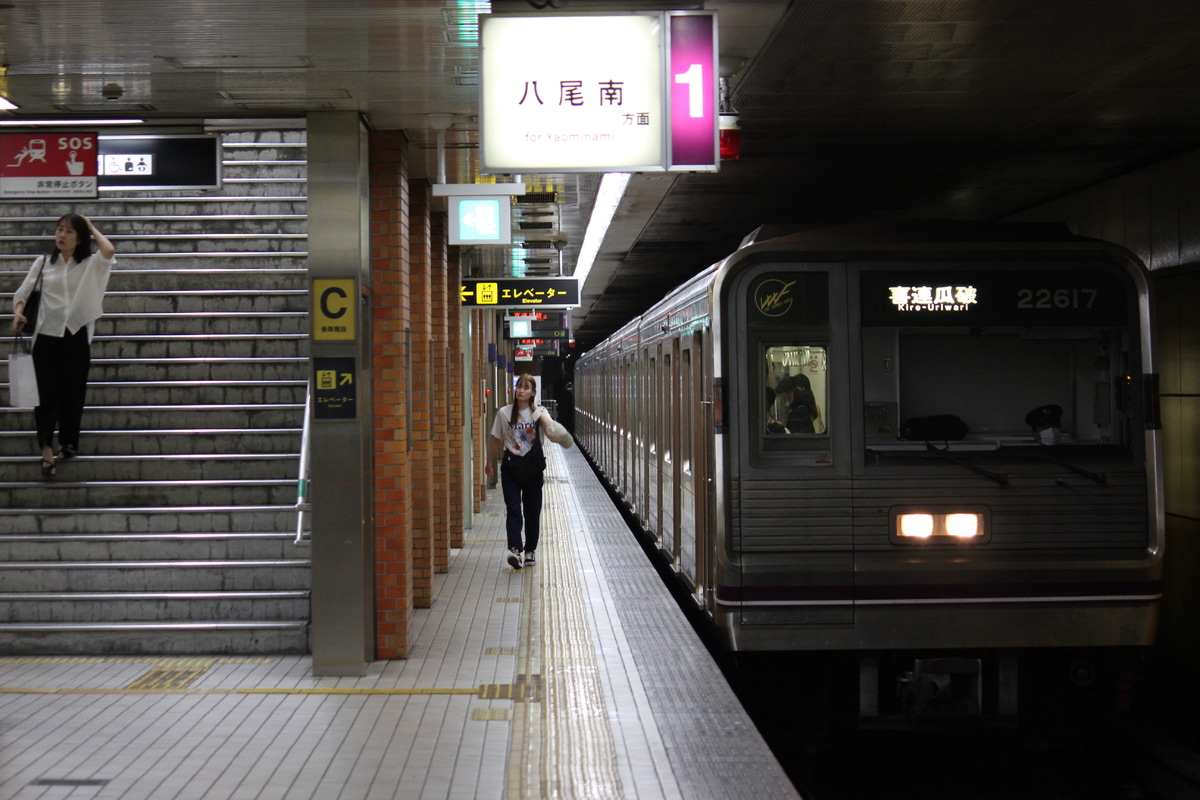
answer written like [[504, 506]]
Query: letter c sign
[[333, 309]]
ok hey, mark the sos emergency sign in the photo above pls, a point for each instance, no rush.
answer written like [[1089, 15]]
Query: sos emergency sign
[[48, 165]]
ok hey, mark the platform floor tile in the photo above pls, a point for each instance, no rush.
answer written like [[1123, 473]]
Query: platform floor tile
[[576, 678]]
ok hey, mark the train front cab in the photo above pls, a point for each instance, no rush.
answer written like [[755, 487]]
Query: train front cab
[[938, 561]]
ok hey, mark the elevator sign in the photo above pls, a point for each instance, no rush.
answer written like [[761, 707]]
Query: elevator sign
[[521, 292], [596, 92], [48, 165]]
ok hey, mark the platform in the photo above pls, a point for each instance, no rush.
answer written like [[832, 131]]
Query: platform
[[576, 678]]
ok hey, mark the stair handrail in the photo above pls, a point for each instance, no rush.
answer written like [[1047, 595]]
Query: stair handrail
[[302, 504]]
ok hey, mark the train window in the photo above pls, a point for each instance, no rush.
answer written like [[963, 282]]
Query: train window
[[794, 390]]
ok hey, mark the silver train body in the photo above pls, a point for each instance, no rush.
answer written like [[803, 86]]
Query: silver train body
[[830, 529]]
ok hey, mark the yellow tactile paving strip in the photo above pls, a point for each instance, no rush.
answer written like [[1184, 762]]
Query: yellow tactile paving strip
[[579, 760], [576, 757]]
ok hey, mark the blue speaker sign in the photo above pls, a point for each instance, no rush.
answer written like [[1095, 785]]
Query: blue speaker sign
[[630, 92]]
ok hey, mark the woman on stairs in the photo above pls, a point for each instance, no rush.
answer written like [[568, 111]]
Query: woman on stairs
[[72, 280]]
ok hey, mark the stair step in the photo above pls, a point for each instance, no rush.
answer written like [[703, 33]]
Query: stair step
[[100, 607], [245, 467], [15, 444], [155, 576], [201, 345], [123, 417], [188, 545], [149, 519], [189, 493], [213, 637]]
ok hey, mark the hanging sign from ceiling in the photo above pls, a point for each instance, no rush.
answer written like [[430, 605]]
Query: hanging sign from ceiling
[[598, 93], [520, 292]]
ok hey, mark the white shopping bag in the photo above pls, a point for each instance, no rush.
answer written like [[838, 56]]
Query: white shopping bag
[[22, 381]]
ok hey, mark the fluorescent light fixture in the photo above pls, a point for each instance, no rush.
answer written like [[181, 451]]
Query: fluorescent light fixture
[[77, 123], [6, 104], [608, 198]]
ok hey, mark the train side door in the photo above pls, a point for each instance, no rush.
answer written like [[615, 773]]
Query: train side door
[[669, 477], [698, 562], [654, 446], [685, 546]]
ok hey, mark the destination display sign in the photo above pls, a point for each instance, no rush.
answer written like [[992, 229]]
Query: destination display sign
[[1044, 298]]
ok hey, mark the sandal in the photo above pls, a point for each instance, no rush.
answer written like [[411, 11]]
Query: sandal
[[48, 469], [66, 453]]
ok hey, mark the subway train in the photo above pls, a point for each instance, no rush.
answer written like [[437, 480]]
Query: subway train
[[933, 449]]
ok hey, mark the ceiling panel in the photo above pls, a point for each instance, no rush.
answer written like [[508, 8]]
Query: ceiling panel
[[851, 109]]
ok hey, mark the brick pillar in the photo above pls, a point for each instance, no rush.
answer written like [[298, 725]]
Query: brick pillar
[[427, 392], [459, 365], [391, 303], [482, 416], [445, 378]]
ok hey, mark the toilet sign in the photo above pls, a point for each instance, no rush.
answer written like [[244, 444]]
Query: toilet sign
[[48, 165]]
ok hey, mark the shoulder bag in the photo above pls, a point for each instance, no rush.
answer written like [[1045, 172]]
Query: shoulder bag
[[529, 467], [35, 300]]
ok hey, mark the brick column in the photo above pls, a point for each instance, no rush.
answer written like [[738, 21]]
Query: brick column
[[482, 417], [391, 302], [459, 363], [427, 392]]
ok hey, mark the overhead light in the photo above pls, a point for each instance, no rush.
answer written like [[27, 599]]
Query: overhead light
[[79, 123], [608, 197], [7, 105]]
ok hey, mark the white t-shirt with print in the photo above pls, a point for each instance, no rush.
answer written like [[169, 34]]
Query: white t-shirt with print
[[519, 437]]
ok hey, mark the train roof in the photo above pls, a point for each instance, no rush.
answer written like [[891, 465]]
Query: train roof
[[942, 231]]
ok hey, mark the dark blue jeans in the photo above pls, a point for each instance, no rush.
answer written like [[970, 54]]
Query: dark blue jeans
[[522, 496]]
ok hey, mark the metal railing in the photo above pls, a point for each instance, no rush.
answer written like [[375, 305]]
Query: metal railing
[[302, 504]]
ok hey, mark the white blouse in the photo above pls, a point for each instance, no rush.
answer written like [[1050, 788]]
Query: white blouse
[[72, 293]]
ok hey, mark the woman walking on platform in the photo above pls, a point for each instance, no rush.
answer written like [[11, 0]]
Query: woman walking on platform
[[72, 281], [517, 429]]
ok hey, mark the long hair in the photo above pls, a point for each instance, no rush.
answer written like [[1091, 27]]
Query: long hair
[[527, 378], [83, 238]]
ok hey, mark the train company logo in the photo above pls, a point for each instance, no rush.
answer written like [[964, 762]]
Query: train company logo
[[933, 298], [773, 297]]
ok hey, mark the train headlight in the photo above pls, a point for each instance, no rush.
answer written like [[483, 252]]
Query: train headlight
[[916, 525], [963, 526]]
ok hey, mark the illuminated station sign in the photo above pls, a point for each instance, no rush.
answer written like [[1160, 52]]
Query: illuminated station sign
[[599, 93], [521, 292]]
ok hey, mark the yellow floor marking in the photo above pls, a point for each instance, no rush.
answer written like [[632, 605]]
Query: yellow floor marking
[[319, 691]]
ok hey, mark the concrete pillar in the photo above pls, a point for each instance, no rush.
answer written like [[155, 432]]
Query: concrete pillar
[[341, 455]]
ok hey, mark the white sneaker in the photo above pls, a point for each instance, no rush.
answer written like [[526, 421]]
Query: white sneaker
[[529, 559], [513, 558]]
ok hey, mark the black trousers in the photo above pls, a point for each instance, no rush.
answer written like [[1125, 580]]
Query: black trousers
[[62, 365], [522, 495]]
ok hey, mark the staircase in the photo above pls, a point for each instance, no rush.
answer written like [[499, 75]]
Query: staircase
[[174, 530]]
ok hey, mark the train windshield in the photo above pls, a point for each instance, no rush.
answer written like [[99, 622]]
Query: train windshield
[[997, 361], [794, 389]]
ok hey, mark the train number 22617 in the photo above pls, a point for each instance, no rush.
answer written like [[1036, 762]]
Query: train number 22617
[[1056, 298]]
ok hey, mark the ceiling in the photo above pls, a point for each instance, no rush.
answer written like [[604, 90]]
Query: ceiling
[[852, 110]]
